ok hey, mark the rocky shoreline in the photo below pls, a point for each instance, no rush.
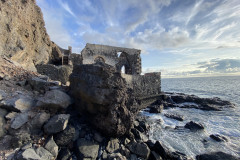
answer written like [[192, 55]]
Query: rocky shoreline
[[38, 121]]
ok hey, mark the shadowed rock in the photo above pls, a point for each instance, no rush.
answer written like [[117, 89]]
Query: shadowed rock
[[56, 124], [216, 156], [218, 138], [87, 149], [193, 126], [55, 99], [101, 93]]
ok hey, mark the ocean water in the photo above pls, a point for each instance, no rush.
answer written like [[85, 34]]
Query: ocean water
[[226, 122]]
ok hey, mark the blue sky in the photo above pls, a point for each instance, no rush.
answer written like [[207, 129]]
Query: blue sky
[[177, 37]]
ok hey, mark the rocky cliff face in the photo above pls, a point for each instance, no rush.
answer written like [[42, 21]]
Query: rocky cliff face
[[23, 35]]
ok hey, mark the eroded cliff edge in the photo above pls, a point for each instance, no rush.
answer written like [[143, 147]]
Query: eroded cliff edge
[[24, 38]]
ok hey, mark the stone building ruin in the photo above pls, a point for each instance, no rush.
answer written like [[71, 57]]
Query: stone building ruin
[[115, 56], [146, 87]]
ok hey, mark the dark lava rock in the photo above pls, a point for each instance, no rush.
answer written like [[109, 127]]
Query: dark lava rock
[[140, 149], [150, 144], [102, 94], [216, 156], [209, 104], [64, 154], [156, 108], [138, 135], [87, 149], [143, 124], [174, 116], [56, 124], [155, 156], [65, 137], [193, 126], [218, 138], [166, 153], [162, 150]]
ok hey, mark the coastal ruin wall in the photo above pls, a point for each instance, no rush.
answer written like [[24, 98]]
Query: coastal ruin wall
[[76, 59], [147, 88], [57, 73], [114, 56]]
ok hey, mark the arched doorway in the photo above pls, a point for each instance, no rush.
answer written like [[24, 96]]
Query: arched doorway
[[123, 65], [99, 60], [123, 69]]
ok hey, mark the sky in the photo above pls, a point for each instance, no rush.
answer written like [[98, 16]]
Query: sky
[[180, 38]]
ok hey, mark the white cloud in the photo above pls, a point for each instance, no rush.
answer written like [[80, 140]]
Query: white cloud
[[54, 21], [66, 7]]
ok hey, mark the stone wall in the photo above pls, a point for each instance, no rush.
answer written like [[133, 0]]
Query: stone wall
[[57, 73], [144, 85], [147, 85], [146, 88], [76, 59], [114, 56]]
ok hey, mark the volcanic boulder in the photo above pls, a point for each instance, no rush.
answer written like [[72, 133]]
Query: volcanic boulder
[[101, 93]]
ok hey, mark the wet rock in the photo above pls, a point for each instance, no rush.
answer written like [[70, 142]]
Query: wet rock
[[150, 144], [174, 116], [3, 112], [193, 126], [144, 125], [54, 99], [44, 154], [29, 154], [38, 121], [56, 124], [19, 120], [179, 156], [156, 108], [64, 154], [155, 156], [161, 150], [138, 135], [65, 137], [216, 156], [166, 153], [113, 145], [87, 149], [102, 94], [51, 146], [140, 149], [210, 104], [218, 138]]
